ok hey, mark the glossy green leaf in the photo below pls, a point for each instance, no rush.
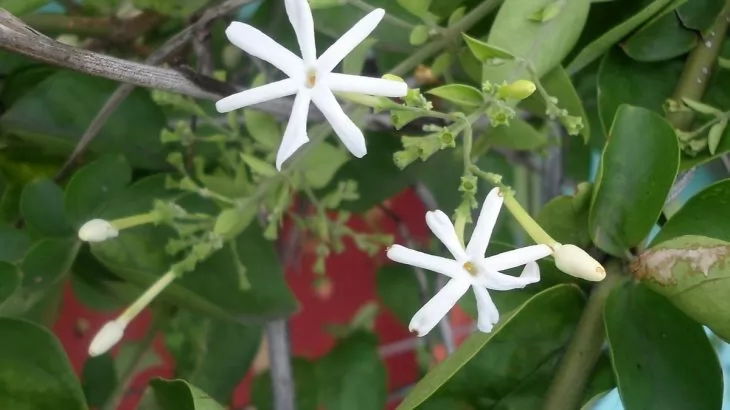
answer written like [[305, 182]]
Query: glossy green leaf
[[634, 179], [263, 128], [181, 395], [485, 52], [692, 272], [459, 94], [354, 362], [36, 374], [700, 14], [45, 117], [699, 215], [518, 135], [9, 280], [41, 205], [661, 39], [99, 378], [565, 218], [662, 358], [14, 243], [601, 45], [542, 44], [322, 163], [306, 387], [212, 354], [93, 185], [214, 286], [555, 306], [622, 80], [558, 84], [10, 203], [398, 289]]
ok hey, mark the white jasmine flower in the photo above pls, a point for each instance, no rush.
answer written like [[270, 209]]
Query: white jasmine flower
[[310, 78], [469, 268], [97, 230], [109, 335]]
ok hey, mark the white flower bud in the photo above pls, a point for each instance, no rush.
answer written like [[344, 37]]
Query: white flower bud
[[97, 230], [576, 262], [109, 335]]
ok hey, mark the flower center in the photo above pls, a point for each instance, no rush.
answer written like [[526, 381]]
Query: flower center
[[471, 268], [311, 78]]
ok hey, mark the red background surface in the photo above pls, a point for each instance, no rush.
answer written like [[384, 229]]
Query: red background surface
[[353, 278]]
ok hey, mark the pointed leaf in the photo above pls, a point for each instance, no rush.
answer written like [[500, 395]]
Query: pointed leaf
[[93, 185], [181, 395], [41, 205], [460, 94]]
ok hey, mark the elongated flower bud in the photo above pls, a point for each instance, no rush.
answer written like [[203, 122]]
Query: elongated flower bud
[[576, 262], [109, 335], [97, 230], [518, 90]]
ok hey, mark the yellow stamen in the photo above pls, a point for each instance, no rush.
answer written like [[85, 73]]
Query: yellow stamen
[[471, 268], [311, 78]]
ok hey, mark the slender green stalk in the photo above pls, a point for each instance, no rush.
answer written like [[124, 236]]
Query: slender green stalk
[[568, 385], [697, 69]]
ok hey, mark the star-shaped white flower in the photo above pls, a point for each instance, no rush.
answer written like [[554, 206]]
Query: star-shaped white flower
[[310, 78], [469, 268]]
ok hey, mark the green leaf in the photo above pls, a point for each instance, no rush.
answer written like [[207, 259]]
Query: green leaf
[[485, 52], [263, 128], [212, 354], [41, 204], [322, 163], [459, 94], [419, 35], [306, 387], [93, 185], [9, 280], [692, 272], [661, 39], [633, 180], [355, 61], [10, 203], [45, 117], [518, 135], [418, 8], [622, 80], [698, 216], [99, 379], [354, 362], [213, 288], [700, 14], [398, 289], [553, 306], [565, 218], [662, 358], [557, 83], [543, 44], [21, 7], [602, 44], [181, 395], [36, 374], [14, 243]]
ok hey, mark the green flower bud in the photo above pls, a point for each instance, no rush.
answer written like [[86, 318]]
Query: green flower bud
[[468, 184], [518, 90], [406, 157]]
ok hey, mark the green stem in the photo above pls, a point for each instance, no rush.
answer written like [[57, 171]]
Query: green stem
[[429, 50], [388, 17], [567, 388], [140, 351], [697, 69], [132, 221]]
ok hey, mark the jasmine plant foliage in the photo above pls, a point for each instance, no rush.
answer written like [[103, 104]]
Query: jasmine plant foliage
[[570, 156]]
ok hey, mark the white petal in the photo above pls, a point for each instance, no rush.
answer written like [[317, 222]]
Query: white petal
[[258, 44], [109, 335], [499, 281], [487, 313], [448, 267], [477, 246], [295, 134], [345, 44], [300, 17], [441, 226], [349, 133], [517, 257], [435, 309], [366, 85], [257, 95]]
